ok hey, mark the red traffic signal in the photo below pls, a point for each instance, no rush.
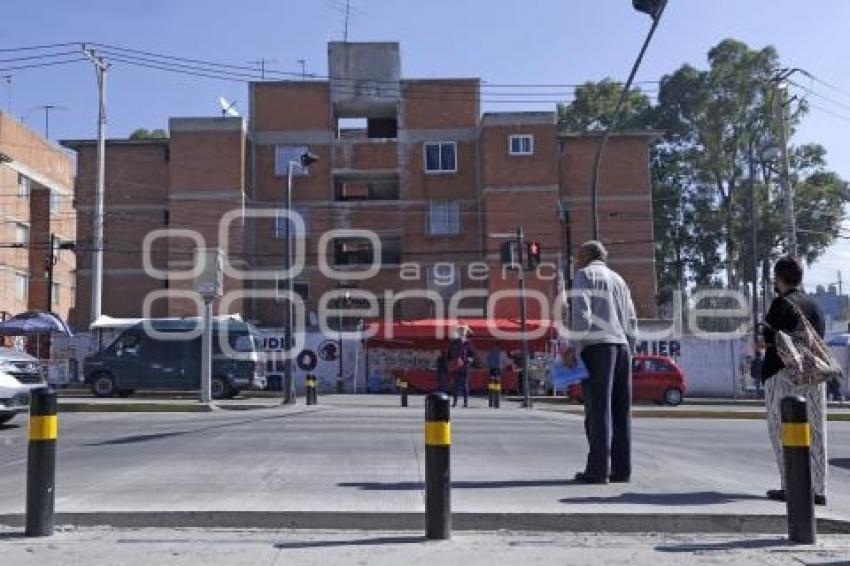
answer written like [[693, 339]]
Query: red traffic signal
[[533, 254]]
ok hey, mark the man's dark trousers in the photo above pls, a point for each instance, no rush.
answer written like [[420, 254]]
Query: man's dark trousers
[[607, 394]]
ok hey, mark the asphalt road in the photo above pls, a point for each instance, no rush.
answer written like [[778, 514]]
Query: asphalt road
[[365, 454]]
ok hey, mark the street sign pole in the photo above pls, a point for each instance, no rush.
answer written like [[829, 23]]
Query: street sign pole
[[210, 285]]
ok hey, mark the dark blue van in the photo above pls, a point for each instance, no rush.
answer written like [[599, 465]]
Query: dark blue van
[[139, 360]]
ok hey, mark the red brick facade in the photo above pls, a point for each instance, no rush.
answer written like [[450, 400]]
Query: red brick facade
[[370, 177]]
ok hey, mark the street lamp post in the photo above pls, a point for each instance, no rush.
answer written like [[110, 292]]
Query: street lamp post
[[654, 8], [305, 160]]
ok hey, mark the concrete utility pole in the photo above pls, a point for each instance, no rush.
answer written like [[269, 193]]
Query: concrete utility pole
[[49, 262], [8, 80], [785, 178], [100, 67], [754, 243]]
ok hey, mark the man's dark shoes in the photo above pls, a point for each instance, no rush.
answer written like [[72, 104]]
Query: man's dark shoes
[[779, 495], [619, 479], [776, 494], [584, 477]]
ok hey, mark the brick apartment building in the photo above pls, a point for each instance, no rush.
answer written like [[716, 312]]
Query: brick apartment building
[[413, 160], [36, 190]]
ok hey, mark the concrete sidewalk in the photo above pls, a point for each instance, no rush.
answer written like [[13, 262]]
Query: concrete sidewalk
[[145, 547]]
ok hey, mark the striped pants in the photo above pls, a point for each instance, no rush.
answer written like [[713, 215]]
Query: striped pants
[[779, 387]]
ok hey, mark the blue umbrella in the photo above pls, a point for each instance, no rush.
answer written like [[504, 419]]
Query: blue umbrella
[[34, 322]]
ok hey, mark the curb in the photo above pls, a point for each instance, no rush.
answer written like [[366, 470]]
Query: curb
[[698, 414], [86, 407], [674, 523]]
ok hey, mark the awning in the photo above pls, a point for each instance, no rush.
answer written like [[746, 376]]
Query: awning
[[34, 322]]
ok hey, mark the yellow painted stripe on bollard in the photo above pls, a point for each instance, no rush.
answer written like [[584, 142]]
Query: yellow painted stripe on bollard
[[495, 387], [402, 384], [796, 434], [43, 427], [438, 433]]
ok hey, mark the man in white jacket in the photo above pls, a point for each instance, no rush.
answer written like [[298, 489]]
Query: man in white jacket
[[604, 327]]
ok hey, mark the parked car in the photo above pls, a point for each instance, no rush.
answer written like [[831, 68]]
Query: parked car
[[21, 366], [14, 397], [136, 360], [654, 378]]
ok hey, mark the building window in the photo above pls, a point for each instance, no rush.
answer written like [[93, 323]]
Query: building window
[[55, 202], [283, 154], [521, 145], [281, 223], [54, 295], [22, 234], [22, 285], [23, 185], [440, 157], [358, 251], [444, 218], [361, 189], [444, 279]]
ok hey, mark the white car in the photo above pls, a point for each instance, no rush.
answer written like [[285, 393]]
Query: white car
[[14, 397], [21, 366]]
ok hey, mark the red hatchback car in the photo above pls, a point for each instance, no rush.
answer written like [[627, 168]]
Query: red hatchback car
[[654, 378]]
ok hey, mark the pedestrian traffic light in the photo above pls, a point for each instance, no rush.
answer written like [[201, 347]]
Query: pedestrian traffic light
[[533, 255]]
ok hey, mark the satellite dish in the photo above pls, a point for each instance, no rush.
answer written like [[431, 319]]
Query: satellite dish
[[228, 108]]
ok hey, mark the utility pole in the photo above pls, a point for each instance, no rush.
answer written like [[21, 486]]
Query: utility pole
[[100, 68], [303, 63], [347, 19], [840, 285], [49, 262], [754, 244], [520, 243], [8, 80], [785, 178]]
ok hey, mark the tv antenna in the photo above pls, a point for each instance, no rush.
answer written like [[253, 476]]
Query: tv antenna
[[348, 12], [228, 108], [261, 63], [47, 108]]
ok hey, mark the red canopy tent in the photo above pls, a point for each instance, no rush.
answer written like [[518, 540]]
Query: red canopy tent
[[435, 334]]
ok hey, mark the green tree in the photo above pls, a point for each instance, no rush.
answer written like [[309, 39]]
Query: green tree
[[145, 134], [594, 105]]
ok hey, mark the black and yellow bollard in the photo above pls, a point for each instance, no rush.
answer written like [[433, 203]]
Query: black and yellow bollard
[[402, 390], [41, 463], [310, 393], [497, 392], [799, 496], [438, 486]]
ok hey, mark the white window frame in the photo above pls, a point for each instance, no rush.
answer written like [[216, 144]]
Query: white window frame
[[54, 294], [513, 137], [23, 186], [449, 220], [56, 199], [22, 292], [22, 228], [441, 170]]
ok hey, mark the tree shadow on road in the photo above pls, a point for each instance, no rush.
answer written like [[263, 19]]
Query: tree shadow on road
[[724, 545], [9, 426], [418, 486], [664, 499], [840, 463], [376, 541]]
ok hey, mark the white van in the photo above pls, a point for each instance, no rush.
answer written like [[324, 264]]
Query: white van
[[14, 397]]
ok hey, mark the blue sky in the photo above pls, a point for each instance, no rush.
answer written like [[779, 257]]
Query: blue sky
[[509, 41]]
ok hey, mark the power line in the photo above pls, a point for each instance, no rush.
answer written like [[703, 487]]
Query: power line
[[38, 47], [39, 65]]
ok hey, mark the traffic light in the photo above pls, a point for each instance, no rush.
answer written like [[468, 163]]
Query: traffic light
[[533, 255], [507, 253]]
